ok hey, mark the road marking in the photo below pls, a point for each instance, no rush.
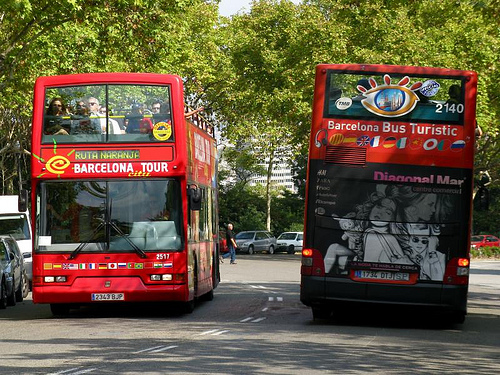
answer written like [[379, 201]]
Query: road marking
[[74, 371], [219, 333], [208, 332], [259, 320], [246, 319], [164, 348], [271, 299], [148, 349], [265, 308], [279, 299]]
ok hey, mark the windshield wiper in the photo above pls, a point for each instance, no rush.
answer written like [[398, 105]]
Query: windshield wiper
[[141, 253], [85, 243]]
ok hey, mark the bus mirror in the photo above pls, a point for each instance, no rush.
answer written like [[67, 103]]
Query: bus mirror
[[22, 202], [194, 194]]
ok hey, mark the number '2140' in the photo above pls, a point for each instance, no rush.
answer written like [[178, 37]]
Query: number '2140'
[[449, 108]]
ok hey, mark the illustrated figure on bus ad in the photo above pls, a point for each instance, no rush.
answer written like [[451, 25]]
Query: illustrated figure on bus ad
[[374, 232]]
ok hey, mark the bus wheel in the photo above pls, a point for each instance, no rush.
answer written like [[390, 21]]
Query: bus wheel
[[291, 249], [59, 309], [321, 313], [208, 296], [3, 295], [457, 317]]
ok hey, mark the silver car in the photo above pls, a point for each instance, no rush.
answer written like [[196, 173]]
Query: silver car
[[252, 241]]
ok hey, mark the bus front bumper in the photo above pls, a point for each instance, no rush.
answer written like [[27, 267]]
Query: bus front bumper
[[132, 288]]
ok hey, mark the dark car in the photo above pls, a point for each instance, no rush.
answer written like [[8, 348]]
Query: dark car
[[484, 240], [12, 272], [252, 241]]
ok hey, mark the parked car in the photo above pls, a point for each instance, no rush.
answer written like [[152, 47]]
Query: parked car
[[17, 224], [252, 241], [289, 242], [12, 272], [484, 240]]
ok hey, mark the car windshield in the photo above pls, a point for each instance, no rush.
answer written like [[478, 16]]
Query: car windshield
[[287, 236], [101, 216], [244, 236], [15, 225], [476, 238]]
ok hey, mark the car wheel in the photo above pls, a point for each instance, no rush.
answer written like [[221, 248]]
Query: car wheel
[[250, 249], [291, 249], [26, 285], [271, 249], [19, 290], [11, 298], [3, 295]]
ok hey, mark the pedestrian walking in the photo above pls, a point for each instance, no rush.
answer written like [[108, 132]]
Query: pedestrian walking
[[231, 244]]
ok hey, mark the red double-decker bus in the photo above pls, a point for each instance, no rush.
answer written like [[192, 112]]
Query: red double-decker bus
[[389, 188], [124, 192]]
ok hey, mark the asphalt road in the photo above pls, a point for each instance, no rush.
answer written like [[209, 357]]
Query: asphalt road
[[255, 325]]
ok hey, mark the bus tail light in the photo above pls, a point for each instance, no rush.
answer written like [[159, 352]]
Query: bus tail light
[[312, 263], [457, 271]]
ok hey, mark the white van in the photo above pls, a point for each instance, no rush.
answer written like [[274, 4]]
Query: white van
[[18, 225]]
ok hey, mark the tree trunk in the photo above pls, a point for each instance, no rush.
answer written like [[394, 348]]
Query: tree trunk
[[268, 190]]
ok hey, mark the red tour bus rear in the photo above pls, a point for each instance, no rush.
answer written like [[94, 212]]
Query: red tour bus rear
[[389, 188], [123, 192]]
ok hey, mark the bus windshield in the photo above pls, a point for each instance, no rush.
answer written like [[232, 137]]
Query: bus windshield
[[107, 113], [407, 97], [109, 215]]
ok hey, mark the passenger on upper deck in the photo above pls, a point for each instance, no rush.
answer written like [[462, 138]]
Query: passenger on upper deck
[[53, 123]]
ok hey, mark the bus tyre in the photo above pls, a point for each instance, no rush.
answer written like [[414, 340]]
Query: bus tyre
[[250, 249], [321, 313], [291, 249], [271, 249], [59, 309], [11, 299], [20, 289], [3, 295], [457, 317], [208, 296]]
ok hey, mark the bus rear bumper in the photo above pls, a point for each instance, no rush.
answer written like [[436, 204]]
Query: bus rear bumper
[[329, 292], [132, 288]]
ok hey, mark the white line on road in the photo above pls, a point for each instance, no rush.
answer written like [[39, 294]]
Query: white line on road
[[219, 333], [74, 371], [246, 319], [271, 299], [279, 299], [258, 320], [208, 332], [265, 308], [164, 348], [148, 349]]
